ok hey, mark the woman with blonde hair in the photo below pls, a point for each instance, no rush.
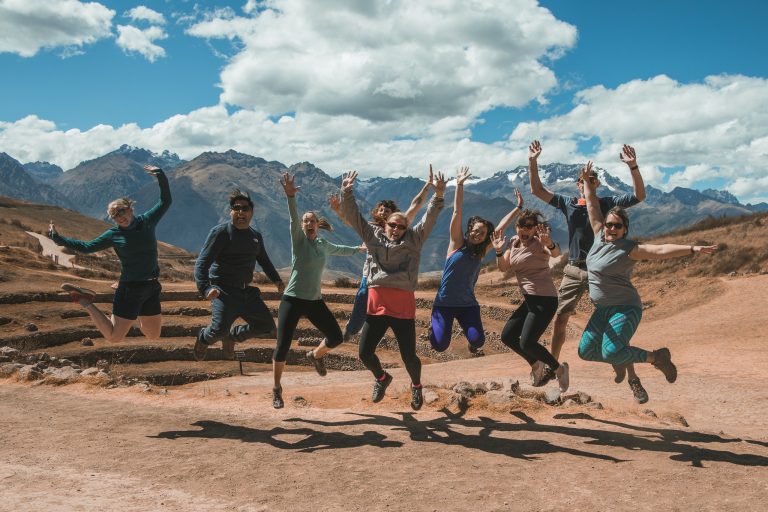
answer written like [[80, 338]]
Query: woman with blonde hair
[[133, 239]]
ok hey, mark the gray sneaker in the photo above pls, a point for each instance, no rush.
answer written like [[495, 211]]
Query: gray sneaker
[[537, 371], [78, 293], [641, 395], [200, 347], [564, 379], [663, 363], [319, 364], [417, 397], [379, 387], [277, 398]]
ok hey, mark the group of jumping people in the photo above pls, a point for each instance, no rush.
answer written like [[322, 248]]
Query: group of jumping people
[[600, 259]]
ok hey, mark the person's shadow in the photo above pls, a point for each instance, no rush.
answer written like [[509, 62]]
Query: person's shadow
[[313, 440]]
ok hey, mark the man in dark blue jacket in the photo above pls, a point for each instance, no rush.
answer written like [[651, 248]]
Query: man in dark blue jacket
[[223, 273]]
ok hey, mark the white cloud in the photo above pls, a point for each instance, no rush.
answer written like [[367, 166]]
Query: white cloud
[[27, 26], [143, 13], [714, 129], [132, 39], [396, 61]]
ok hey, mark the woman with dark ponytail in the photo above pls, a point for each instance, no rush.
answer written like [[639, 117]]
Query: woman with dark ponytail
[[455, 298], [302, 296]]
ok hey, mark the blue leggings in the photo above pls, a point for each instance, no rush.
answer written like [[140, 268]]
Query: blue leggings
[[359, 313], [442, 325], [606, 338]]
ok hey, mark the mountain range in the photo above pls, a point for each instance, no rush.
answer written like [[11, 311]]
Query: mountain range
[[200, 188]]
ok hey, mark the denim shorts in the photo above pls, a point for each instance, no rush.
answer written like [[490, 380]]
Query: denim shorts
[[137, 298]]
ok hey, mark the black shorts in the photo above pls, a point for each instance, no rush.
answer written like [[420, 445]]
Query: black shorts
[[137, 298]]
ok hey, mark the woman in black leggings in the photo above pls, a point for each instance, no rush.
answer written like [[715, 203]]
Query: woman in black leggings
[[302, 296], [528, 255]]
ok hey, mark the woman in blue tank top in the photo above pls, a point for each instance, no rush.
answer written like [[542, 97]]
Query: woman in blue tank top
[[455, 298], [618, 308]]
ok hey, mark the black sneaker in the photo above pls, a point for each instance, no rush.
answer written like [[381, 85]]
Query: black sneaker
[[476, 351], [319, 364], [417, 398], [547, 375], [663, 363], [621, 372], [200, 347], [641, 395], [277, 398], [228, 348], [379, 387]]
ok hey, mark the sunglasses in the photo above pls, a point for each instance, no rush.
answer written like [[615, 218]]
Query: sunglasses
[[240, 208], [527, 226], [614, 225], [119, 212], [395, 225]]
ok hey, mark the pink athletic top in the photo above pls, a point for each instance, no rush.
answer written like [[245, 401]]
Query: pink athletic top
[[392, 302], [531, 266]]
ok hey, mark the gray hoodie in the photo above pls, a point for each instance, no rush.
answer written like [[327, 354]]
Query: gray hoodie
[[392, 264]]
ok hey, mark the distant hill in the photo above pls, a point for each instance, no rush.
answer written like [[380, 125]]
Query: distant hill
[[94, 183], [200, 188], [16, 182], [43, 171]]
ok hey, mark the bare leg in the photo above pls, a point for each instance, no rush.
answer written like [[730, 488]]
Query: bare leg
[[114, 329], [277, 371], [558, 333], [321, 350], [150, 325]]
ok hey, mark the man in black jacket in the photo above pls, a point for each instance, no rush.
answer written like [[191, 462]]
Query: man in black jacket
[[223, 273]]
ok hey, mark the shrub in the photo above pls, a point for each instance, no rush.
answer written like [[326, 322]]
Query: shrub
[[345, 282]]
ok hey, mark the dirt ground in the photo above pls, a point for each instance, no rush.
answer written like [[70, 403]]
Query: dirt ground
[[219, 445]]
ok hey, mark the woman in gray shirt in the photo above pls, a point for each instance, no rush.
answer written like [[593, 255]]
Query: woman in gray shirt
[[618, 308]]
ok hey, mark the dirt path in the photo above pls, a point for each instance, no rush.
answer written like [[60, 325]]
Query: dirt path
[[219, 445], [53, 251]]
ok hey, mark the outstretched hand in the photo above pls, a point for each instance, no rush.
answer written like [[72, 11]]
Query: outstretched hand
[[431, 177], [586, 176], [334, 201], [534, 150], [462, 175], [519, 197], [628, 156], [348, 181], [289, 184], [440, 184], [152, 170], [280, 287], [543, 232], [499, 241]]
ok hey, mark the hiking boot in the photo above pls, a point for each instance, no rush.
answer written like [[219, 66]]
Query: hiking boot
[[228, 348], [379, 387], [417, 398], [663, 363], [621, 371], [641, 395], [277, 398], [476, 351], [319, 364], [547, 375], [77, 293], [564, 379], [200, 347], [537, 370]]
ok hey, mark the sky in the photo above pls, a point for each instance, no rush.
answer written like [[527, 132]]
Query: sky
[[387, 87]]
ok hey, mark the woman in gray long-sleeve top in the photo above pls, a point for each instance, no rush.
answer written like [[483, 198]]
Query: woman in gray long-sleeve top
[[392, 277]]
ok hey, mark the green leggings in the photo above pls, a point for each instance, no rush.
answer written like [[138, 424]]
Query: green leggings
[[606, 338]]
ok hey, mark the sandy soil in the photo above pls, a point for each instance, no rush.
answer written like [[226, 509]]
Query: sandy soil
[[218, 445]]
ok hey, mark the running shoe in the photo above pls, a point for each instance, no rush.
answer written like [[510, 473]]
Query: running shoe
[[277, 398], [537, 371], [200, 347], [417, 398], [621, 372], [564, 379], [319, 364], [477, 351], [663, 363], [641, 395], [77, 293], [547, 375], [379, 387]]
